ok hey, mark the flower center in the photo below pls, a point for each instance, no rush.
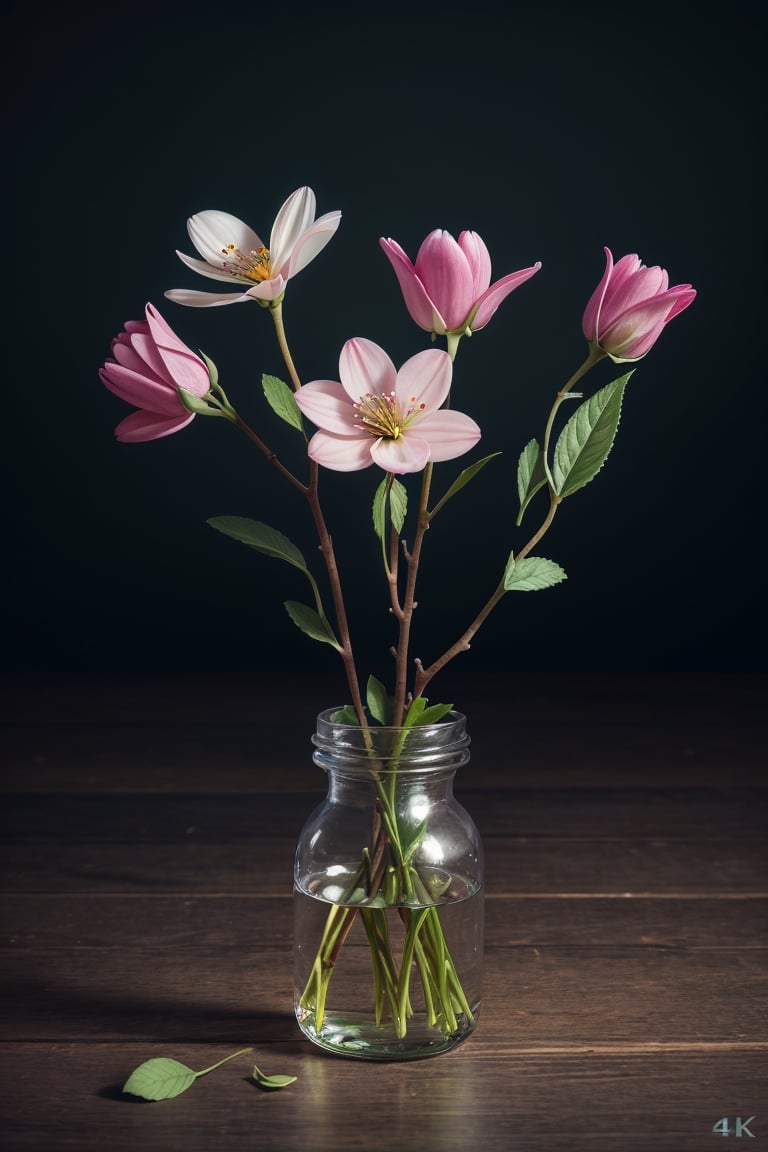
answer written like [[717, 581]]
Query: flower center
[[381, 416], [253, 265]]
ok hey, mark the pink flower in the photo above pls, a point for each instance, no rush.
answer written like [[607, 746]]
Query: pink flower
[[630, 306], [449, 287], [232, 251], [150, 365], [377, 415]]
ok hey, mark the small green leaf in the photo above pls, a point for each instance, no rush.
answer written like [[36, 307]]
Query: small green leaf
[[462, 479], [312, 623], [282, 401], [261, 537], [530, 475], [391, 491], [272, 1082], [213, 371], [418, 713], [377, 700], [587, 438], [160, 1079], [531, 574], [345, 715]]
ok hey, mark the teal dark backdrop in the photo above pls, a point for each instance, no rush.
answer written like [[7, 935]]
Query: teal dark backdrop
[[551, 129]]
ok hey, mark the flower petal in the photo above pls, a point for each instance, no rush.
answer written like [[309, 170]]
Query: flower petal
[[295, 216], [310, 244], [479, 261], [141, 426], [195, 299], [267, 289], [427, 377], [420, 308], [591, 319], [406, 454], [635, 332], [208, 270], [365, 367], [623, 294], [341, 453], [211, 231], [448, 433], [326, 404], [140, 390], [186, 370], [490, 300], [444, 271]]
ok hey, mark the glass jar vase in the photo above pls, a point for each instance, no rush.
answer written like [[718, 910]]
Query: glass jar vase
[[388, 894]]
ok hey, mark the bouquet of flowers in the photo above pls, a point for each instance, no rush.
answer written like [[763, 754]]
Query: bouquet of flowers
[[399, 422]]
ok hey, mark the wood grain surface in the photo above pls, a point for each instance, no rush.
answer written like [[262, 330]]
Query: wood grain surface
[[148, 830]]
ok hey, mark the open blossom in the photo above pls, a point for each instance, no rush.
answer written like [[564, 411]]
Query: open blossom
[[630, 306], [232, 251], [150, 365], [378, 415], [449, 287]]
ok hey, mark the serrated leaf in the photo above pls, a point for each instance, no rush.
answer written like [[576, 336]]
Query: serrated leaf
[[464, 478], [160, 1079], [377, 700], [312, 623], [282, 400], [530, 475], [272, 1082], [587, 438], [398, 505], [261, 537], [531, 574]]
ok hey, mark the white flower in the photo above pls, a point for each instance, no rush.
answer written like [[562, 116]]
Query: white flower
[[233, 251]]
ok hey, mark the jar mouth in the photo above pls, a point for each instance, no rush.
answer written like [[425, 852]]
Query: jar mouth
[[445, 743]]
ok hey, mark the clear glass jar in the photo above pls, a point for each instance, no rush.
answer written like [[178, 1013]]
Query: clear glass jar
[[388, 894]]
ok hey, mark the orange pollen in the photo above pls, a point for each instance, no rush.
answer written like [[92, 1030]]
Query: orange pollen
[[254, 265]]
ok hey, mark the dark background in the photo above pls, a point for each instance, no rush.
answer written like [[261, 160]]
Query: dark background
[[549, 128]]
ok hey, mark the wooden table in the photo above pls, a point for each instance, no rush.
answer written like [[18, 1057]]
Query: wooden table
[[149, 829]]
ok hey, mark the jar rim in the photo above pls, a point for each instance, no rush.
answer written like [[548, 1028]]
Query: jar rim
[[443, 744], [451, 718]]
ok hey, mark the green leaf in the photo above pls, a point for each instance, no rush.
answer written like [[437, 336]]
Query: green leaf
[[162, 1078], [377, 700], [213, 371], [530, 475], [282, 401], [272, 1082], [531, 574], [587, 438], [312, 623], [462, 479], [345, 715], [261, 537], [389, 489], [418, 713]]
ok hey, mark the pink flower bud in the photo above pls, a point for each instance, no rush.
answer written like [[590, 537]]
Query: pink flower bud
[[150, 365], [630, 306]]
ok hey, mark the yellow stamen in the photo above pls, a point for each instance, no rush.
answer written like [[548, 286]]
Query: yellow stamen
[[254, 265]]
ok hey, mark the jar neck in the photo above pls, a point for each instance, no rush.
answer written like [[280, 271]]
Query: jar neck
[[430, 751]]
